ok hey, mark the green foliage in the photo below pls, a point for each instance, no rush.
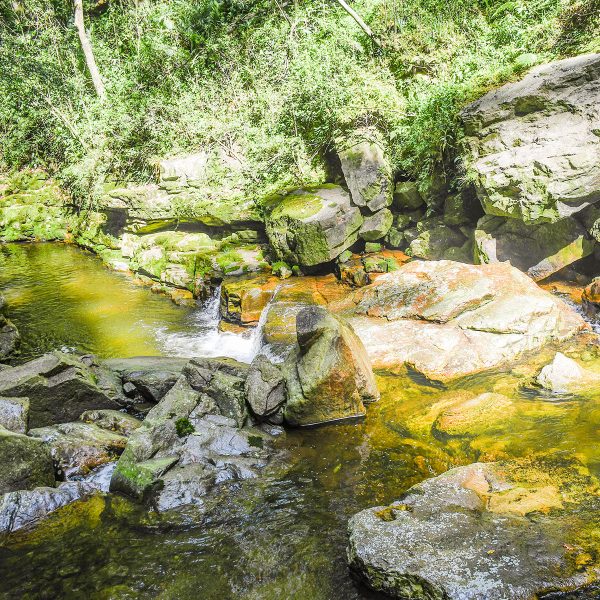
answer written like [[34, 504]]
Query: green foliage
[[184, 427], [269, 85]]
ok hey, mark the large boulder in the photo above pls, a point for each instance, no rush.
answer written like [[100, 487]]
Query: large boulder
[[487, 530], [25, 462], [446, 319], [313, 226], [60, 387], [244, 298], [329, 377], [538, 250], [193, 439], [367, 172], [376, 226], [534, 144]]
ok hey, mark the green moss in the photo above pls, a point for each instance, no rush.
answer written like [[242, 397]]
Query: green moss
[[298, 206], [184, 427]]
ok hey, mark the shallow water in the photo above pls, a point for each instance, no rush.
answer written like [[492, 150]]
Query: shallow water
[[283, 537]]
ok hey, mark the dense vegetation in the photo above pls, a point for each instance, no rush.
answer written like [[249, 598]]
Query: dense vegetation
[[272, 83]]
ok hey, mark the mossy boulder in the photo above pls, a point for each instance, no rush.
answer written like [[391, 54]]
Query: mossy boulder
[[25, 463], [329, 376], [407, 196], [436, 240], [367, 171], [312, 226], [376, 226], [539, 250]]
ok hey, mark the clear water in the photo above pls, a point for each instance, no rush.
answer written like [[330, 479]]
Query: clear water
[[282, 537]]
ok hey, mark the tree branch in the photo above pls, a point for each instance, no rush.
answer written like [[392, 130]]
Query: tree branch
[[86, 46], [358, 19]]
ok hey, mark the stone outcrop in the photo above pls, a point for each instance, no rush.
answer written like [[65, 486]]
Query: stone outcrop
[[329, 376], [60, 387], [538, 250], [313, 226], [32, 207], [534, 144], [504, 530], [25, 462], [193, 439], [367, 171], [446, 319]]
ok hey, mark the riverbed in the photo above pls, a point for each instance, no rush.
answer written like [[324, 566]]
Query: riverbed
[[283, 537]]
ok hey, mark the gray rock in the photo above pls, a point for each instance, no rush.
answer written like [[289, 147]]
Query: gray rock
[[14, 414], [534, 147], [25, 462], [265, 387], [312, 226], [538, 250], [24, 508], [150, 376], [192, 439], [77, 448], [468, 534], [367, 172], [376, 226], [60, 387], [435, 241]]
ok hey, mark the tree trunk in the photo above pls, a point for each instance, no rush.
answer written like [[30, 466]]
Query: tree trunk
[[86, 46], [358, 19]]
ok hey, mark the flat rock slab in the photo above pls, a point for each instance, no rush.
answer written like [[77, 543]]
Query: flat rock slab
[[487, 530], [447, 319]]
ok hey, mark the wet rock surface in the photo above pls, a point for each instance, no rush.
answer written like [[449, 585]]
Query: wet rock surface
[[194, 439], [493, 530], [25, 462], [14, 414]]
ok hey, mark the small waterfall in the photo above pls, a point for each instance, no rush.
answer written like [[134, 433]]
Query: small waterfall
[[205, 339]]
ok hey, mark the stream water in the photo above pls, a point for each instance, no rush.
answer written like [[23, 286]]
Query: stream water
[[282, 537]]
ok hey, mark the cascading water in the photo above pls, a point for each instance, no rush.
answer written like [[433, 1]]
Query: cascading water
[[205, 339]]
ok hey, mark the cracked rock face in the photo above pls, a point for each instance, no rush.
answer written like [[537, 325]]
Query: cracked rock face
[[535, 144]]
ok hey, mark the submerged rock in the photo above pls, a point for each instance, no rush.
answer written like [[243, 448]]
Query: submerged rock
[[313, 226], [534, 146], [60, 387], [487, 530], [446, 319], [25, 462], [539, 250], [329, 376]]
